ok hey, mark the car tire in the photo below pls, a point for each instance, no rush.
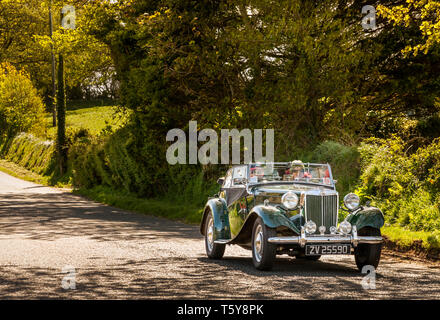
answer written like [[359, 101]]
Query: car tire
[[213, 250], [368, 254], [263, 252]]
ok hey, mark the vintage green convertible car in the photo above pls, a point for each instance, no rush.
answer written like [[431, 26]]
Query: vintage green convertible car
[[289, 208]]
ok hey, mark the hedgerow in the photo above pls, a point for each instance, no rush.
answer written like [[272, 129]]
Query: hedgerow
[[405, 185], [29, 152]]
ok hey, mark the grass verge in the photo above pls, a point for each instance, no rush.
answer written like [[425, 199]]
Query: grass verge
[[22, 173], [420, 243], [183, 212]]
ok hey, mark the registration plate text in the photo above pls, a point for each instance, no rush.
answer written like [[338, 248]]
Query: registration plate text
[[323, 249]]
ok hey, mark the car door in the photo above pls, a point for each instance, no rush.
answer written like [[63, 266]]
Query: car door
[[226, 184], [236, 199]]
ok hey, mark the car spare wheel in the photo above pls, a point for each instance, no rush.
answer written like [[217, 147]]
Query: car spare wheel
[[213, 250], [263, 252]]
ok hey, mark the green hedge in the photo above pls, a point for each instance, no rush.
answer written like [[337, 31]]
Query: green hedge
[[116, 161], [30, 152], [405, 185]]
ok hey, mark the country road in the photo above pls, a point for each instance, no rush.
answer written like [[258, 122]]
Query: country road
[[123, 255]]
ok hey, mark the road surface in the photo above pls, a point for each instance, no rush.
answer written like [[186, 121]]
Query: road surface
[[111, 253]]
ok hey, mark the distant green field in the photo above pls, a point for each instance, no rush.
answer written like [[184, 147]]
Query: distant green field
[[93, 118]]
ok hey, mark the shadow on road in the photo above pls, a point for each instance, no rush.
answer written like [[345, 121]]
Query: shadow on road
[[284, 266], [203, 279], [54, 215], [164, 261]]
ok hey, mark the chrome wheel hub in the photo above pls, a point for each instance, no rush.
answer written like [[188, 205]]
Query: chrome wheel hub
[[258, 243], [210, 235]]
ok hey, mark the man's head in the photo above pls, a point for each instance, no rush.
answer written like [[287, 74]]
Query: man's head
[[296, 167]]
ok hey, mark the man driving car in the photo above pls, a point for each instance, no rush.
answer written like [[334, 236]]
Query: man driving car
[[296, 171]]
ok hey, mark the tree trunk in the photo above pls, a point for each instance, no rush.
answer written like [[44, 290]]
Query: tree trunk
[[61, 115]]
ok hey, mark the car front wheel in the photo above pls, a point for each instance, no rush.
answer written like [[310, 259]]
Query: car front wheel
[[263, 252], [213, 250], [368, 254]]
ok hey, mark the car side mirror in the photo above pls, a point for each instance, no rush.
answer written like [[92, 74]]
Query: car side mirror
[[220, 181]]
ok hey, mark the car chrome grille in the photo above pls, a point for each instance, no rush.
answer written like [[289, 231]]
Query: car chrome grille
[[323, 210]]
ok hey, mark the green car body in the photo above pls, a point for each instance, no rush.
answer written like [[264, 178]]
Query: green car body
[[274, 218], [239, 204]]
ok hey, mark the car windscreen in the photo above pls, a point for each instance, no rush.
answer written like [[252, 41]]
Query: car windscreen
[[290, 171]]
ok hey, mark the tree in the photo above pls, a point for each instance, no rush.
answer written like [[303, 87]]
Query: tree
[[25, 42], [425, 14], [21, 109], [306, 68], [295, 65]]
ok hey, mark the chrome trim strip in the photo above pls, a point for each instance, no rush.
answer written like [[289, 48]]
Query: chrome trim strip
[[303, 240], [337, 209], [305, 208], [355, 236]]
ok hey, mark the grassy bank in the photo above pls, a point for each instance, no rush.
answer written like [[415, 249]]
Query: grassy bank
[[184, 212], [29, 152], [422, 243], [17, 171]]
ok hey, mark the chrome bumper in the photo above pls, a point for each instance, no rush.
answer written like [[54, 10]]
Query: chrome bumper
[[302, 240]]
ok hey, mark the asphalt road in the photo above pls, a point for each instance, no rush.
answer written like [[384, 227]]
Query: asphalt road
[[116, 254]]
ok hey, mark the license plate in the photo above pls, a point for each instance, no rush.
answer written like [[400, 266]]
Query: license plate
[[323, 249]]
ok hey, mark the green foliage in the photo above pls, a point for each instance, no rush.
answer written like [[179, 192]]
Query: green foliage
[[90, 117], [429, 127], [211, 62], [21, 109], [344, 161], [404, 185], [421, 13], [193, 184], [406, 239], [19, 21], [313, 77], [29, 152], [112, 161], [157, 207], [26, 44]]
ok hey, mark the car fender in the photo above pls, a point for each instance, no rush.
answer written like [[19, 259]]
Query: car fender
[[367, 217], [221, 220], [272, 218]]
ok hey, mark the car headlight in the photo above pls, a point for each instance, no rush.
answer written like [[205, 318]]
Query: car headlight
[[345, 227], [310, 227], [290, 200], [352, 201]]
